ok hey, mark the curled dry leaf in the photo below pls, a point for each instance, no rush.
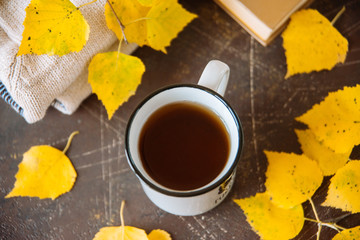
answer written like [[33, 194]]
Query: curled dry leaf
[[344, 189], [312, 43], [53, 27], [291, 179], [270, 221]]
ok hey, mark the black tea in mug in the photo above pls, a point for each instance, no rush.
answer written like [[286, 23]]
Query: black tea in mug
[[184, 146]]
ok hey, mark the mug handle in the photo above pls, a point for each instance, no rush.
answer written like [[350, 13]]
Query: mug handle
[[215, 76]]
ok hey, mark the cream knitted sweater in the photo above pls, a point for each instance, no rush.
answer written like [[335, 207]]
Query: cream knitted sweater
[[32, 83]]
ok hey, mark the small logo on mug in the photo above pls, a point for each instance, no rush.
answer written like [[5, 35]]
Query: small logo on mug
[[224, 188]]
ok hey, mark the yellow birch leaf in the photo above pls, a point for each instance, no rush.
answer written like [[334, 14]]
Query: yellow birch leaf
[[114, 77], [291, 179], [344, 189], [53, 27], [270, 221], [116, 233], [129, 233], [131, 14], [158, 234], [348, 234], [166, 19], [329, 161], [336, 120], [44, 172], [311, 43], [147, 3]]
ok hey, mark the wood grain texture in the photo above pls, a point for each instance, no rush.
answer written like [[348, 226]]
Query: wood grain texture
[[265, 102]]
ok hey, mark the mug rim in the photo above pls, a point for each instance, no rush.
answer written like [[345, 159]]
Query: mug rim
[[201, 190]]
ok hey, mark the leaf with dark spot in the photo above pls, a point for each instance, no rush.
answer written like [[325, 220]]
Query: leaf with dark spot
[[52, 25]]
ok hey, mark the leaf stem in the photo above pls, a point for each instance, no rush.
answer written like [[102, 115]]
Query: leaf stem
[[337, 219], [122, 27], [311, 220], [330, 225], [314, 209], [320, 223], [138, 20], [122, 219], [338, 15], [317, 218], [318, 232], [85, 4], [326, 224], [339, 227], [69, 141], [119, 48]]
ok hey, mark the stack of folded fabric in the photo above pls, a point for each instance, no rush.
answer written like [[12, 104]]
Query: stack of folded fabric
[[32, 83]]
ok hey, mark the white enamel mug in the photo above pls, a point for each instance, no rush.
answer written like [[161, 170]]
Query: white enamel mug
[[208, 93]]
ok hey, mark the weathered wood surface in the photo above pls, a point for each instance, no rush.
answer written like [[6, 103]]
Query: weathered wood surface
[[265, 102]]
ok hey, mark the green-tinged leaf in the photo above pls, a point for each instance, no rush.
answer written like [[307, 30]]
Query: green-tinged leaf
[[114, 77]]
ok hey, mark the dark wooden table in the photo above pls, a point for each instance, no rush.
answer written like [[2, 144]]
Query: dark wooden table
[[265, 102]]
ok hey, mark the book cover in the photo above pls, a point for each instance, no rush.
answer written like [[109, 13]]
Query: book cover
[[263, 19]]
